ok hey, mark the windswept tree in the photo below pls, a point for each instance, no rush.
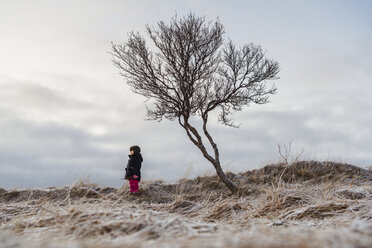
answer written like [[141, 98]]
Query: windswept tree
[[192, 72]]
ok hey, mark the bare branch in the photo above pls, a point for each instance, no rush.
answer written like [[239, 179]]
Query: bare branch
[[191, 73]]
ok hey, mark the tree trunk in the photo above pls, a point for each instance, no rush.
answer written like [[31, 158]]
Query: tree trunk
[[215, 161], [232, 187]]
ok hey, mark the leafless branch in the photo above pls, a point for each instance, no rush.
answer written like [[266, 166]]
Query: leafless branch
[[192, 72]]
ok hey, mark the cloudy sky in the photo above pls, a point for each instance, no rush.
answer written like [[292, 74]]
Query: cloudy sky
[[66, 114]]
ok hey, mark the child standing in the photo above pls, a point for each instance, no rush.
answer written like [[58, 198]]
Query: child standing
[[133, 170]]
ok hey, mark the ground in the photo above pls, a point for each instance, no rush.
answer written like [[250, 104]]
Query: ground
[[304, 204]]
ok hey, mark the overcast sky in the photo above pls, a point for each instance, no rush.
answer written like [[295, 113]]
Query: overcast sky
[[66, 114]]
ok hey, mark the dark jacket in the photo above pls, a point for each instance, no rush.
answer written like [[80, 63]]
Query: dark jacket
[[134, 166]]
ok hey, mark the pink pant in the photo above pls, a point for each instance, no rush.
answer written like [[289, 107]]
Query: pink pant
[[133, 185]]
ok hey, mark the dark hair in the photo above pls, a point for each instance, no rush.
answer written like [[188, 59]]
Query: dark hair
[[136, 149]]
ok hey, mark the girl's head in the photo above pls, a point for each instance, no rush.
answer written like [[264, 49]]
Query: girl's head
[[135, 150]]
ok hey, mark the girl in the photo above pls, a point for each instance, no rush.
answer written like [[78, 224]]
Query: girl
[[133, 170]]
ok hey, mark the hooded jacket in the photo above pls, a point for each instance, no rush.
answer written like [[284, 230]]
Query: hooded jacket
[[134, 166]]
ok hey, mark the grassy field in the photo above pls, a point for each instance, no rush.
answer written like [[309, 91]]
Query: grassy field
[[304, 204]]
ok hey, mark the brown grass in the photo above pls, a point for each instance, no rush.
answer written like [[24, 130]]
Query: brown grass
[[273, 203]]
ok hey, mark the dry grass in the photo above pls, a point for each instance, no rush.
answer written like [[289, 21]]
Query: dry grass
[[304, 204]]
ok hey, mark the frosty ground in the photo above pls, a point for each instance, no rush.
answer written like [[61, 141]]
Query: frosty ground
[[304, 204]]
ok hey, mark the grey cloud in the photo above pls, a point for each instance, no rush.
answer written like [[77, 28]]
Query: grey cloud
[[58, 151], [69, 115], [54, 149]]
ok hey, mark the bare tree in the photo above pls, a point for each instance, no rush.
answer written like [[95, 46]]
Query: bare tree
[[192, 73]]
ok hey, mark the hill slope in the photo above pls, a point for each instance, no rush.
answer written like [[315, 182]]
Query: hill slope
[[305, 204]]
